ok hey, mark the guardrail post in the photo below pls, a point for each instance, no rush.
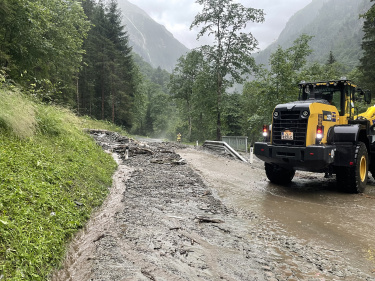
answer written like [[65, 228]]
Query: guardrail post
[[251, 155]]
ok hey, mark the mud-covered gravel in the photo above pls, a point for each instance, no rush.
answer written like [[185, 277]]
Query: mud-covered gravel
[[163, 222]]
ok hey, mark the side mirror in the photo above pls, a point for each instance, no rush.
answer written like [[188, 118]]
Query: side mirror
[[366, 95]]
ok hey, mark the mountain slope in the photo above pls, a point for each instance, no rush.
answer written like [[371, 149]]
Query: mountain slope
[[149, 39], [335, 25]]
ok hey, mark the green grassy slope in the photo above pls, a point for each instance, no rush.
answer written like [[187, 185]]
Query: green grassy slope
[[52, 176]]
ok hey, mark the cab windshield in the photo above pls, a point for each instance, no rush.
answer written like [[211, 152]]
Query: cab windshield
[[331, 94], [339, 93]]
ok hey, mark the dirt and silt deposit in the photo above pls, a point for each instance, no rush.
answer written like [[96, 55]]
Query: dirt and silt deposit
[[183, 213]]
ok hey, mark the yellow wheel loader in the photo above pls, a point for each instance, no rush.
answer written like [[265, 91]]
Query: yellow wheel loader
[[322, 132]]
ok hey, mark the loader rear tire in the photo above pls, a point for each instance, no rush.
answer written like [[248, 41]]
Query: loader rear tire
[[277, 174]]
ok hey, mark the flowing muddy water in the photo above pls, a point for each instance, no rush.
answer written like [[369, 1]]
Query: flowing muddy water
[[311, 209], [209, 217]]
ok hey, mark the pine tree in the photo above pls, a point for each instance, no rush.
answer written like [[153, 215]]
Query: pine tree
[[107, 81], [121, 80], [331, 59], [368, 46]]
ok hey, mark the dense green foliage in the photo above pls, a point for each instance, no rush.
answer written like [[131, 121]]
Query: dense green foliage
[[368, 46], [52, 176], [41, 43], [192, 86], [71, 52]]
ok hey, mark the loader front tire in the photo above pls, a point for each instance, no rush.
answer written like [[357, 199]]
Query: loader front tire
[[277, 174]]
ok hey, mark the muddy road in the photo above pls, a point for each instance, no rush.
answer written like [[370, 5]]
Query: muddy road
[[180, 213], [312, 209]]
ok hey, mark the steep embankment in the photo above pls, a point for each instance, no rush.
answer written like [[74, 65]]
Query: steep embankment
[[52, 175]]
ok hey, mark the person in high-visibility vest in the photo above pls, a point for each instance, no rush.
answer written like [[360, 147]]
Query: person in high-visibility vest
[[178, 137]]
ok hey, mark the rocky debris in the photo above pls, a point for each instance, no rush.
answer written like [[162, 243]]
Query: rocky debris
[[108, 136], [169, 225], [161, 152]]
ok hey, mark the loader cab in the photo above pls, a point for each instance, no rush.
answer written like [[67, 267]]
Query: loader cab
[[339, 93]]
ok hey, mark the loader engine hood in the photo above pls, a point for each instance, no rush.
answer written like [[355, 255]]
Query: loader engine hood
[[299, 104]]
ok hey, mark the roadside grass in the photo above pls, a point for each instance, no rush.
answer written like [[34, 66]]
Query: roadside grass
[[52, 176], [19, 120]]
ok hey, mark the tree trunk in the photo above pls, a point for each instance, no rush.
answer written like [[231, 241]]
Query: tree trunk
[[218, 107], [77, 97], [102, 102], [113, 111], [102, 79], [113, 97], [189, 121], [113, 108]]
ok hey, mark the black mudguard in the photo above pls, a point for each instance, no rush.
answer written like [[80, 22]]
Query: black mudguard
[[345, 139], [343, 134]]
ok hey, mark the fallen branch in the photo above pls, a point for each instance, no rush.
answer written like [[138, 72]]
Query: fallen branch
[[138, 150], [208, 220]]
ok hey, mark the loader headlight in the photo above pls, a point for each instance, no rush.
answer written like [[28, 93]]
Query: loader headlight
[[305, 114], [265, 131], [319, 132], [276, 114]]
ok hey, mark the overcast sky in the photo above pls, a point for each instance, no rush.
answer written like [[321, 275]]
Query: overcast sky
[[177, 16]]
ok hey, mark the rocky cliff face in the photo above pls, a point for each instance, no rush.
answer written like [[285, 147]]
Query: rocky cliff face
[[152, 41]]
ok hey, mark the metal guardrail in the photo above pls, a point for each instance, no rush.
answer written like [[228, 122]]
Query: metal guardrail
[[236, 142], [222, 145]]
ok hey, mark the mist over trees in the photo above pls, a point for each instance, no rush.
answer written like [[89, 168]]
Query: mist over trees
[[77, 54]]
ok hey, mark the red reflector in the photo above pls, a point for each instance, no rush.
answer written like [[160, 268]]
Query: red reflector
[[262, 149], [311, 153], [351, 163]]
